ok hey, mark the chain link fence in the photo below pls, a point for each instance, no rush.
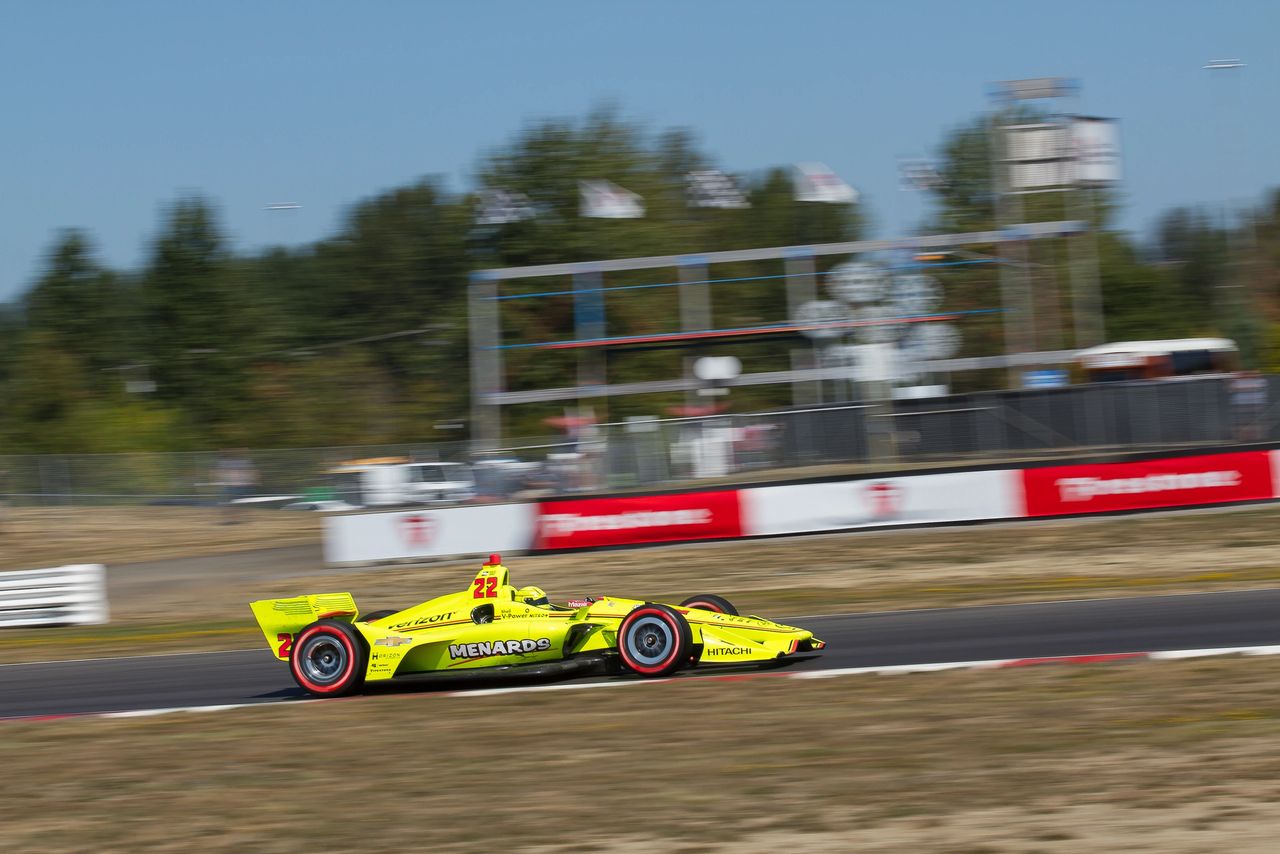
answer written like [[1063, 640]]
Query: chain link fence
[[845, 437]]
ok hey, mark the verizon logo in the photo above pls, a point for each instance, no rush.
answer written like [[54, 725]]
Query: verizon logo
[[566, 524], [1088, 488]]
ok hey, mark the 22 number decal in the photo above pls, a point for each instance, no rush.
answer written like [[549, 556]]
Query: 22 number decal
[[486, 588], [286, 644]]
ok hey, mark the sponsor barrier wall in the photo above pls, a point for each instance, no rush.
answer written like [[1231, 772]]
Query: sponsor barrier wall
[[924, 499], [918, 500], [594, 522], [61, 596], [1149, 484], [409, 534]]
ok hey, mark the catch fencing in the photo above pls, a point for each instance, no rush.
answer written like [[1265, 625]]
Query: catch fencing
[[61, 596], [996, 427]]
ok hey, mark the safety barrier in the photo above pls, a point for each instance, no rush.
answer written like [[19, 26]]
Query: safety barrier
[[836, 504], [406, 535], [60, 596]]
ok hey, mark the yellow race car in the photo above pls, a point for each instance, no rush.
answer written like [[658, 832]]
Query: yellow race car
[[492, 626]]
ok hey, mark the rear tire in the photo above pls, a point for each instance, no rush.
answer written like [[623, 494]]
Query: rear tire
[[328, 659], [654, 640], [710, 602]]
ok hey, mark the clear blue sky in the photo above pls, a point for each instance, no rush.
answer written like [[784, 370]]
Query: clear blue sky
[[112, 109]]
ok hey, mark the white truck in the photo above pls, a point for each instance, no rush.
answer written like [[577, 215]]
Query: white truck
[[397, 482]]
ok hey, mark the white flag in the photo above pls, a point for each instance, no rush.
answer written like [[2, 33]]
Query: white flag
[[815, 182], [713, 189], [609, 201], [918, 174], [497, 206]]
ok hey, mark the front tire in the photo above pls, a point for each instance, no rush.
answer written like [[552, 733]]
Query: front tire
[[710, 602], [654, 640], [328, 659]]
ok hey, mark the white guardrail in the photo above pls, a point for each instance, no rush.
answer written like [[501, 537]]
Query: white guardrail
[[73, 595]]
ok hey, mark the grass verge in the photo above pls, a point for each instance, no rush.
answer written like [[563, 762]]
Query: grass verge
[[1164, 757]]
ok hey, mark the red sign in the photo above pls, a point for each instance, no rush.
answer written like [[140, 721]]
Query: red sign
[[1170, 482], [592, 522], [885, 499], [417, 530]]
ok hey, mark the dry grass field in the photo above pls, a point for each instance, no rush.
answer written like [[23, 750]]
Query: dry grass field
[[32, 537], [1159, 757], [1154, 757]]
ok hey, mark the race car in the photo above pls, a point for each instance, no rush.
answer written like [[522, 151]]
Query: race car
[[494, 627]]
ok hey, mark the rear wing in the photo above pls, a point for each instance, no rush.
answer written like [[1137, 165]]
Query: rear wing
[[281, 619]]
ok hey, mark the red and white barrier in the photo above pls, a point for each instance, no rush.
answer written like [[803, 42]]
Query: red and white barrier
[[923, 499], [929, 499], [1149, 484], [593, 522], [409, 534]]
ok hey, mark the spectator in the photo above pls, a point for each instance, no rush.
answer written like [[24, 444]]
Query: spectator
[[235, 477]]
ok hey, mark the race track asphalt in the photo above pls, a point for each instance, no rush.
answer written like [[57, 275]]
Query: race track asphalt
[[1086, 627]]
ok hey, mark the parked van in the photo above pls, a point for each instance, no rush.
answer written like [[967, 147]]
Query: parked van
[[396, 481]]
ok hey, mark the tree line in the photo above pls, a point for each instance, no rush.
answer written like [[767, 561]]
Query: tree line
[[361, 337]]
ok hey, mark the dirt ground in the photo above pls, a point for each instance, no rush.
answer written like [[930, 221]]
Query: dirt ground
[[200, 602], [33, 537], [1156, 757]]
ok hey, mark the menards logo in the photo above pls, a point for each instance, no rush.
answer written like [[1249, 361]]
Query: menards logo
[[487, 648], [1088, 488]]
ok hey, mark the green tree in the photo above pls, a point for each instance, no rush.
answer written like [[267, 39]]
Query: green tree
[[79, 303], [191, 316]]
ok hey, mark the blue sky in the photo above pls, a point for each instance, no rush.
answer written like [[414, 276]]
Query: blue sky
[[113, 109]]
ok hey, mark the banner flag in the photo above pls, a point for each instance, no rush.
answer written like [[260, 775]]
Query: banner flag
[[815, 182], [606, 200], [713, 189]]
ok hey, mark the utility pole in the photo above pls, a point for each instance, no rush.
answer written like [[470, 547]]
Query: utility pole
[[1232, 305]]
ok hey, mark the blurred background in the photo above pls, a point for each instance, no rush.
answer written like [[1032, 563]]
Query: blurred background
[[292, 258], [677, 280]]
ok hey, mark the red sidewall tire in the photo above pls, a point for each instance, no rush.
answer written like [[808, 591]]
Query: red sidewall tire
[[676, 635], [709, 602], [352, 673]]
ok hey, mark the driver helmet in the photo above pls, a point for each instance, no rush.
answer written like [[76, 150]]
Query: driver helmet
[[532, 596]]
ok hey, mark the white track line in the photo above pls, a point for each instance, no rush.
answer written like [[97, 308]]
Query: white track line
[[881, 670]]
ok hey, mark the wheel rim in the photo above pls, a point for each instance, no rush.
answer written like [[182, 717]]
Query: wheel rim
[[324, 660], [650, 640]]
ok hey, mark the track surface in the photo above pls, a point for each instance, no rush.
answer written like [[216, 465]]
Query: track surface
[[1085, 627]]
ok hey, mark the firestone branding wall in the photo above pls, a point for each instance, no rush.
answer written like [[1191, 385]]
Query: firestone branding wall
[[1149, 484], [594, 522], [927, 499]]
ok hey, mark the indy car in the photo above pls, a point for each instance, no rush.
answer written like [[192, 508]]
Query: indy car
[[494, 627]]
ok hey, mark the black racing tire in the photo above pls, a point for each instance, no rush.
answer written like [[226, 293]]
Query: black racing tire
[[654, 640], [378, 615], [710, 602], [328, 659]]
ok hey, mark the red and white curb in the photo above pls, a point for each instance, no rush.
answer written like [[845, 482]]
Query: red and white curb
[[881, 670]]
